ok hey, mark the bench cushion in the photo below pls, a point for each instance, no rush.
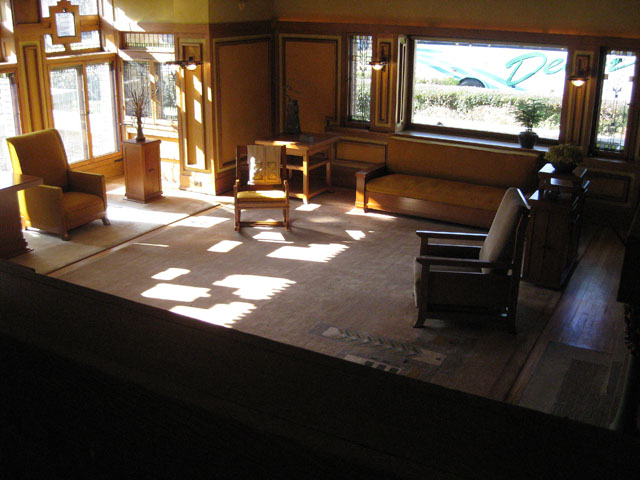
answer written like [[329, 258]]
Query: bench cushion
[[449, 192]]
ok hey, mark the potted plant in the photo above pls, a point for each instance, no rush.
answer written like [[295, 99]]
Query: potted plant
[[564, 157], [529, 113]]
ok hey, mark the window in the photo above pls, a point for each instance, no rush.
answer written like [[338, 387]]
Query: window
[[84, 136], [475, 86], [87, 7], [160, 81], [616, 92], [360, 79], [9, 123]]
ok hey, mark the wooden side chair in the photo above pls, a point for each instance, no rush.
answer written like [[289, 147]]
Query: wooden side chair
[[261, 183], [67, 198], [473, 278]]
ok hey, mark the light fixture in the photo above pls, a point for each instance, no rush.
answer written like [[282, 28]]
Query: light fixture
[[581, 71], [189, 64], [379, 65]]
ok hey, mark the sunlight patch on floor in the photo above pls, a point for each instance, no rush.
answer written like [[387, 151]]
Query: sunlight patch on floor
[[126, 214], [313, 253], [222, 314], [309, 207], [177, 293], [275, 237], [151, 244], [254, 287], [356, 234], [362, 213], [224, 246], [200, 222], [171, 274]]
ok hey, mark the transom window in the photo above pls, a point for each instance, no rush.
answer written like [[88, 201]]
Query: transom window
[[616, 93], [476, 86], [87, 7]]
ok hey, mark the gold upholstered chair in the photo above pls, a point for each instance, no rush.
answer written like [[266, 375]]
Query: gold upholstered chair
[[67, 199], [261, 183], [473, 278]]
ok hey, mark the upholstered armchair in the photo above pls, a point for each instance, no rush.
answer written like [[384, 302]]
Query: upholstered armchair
[[474, 278], [67, 199], [261, 183]]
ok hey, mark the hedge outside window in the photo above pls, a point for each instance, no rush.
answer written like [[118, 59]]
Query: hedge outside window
[[616, 93], [475, 86], [360, 79]]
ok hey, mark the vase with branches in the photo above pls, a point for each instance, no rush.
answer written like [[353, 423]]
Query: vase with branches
[[138, 96]]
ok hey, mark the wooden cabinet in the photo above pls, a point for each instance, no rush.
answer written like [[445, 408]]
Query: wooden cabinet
[[142, 170], [553, 235]]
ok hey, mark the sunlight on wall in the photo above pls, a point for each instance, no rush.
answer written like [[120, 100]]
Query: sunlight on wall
[[221, 314], [177, 293], [224, 246], [362, 213], [254, 287], [312, 253], [356, 234], [200, 222], [171, 274]]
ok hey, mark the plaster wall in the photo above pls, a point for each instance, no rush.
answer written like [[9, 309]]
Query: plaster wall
[[618, 18], [132, 12]]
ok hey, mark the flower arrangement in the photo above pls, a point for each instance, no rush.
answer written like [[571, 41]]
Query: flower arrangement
[[564, 157]]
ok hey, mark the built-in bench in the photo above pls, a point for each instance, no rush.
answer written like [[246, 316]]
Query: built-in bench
[[444, 181]]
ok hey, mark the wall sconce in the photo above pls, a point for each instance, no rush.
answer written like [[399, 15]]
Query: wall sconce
[[581, 72], [190, 64], [379, 65]]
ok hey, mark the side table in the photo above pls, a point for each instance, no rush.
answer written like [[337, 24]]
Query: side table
[[142, 175], [553, 235], [12, 240]]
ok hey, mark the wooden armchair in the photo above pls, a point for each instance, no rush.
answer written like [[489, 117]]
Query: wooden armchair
[[482, 279], [261, 183], [67, 199]]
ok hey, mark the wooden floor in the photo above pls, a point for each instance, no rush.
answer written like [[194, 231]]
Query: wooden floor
[[585, 330]]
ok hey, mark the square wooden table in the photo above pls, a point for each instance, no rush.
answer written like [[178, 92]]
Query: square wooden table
[[12, 241], [306, 146]]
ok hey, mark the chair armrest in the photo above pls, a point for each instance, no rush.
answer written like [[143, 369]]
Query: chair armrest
[[462, 262], [362, 177], [451, 251], [451, 235], [44, 204], [86, 182]]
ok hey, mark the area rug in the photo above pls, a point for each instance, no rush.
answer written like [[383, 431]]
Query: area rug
[[128, 220], [340, 283], [576, 383]]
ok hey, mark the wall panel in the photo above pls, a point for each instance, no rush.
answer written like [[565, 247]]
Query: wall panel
[[310, 67], [243, 95]]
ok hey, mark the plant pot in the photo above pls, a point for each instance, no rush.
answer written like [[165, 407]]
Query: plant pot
[[563, 167], [527, 139]]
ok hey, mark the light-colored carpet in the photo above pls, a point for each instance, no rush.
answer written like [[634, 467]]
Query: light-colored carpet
[[339, 283], [128, 220]]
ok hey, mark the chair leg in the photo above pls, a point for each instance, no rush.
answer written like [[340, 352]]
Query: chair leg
[[237, 217], [287, 225]]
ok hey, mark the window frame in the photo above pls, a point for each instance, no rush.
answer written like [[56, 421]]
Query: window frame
[[479, 134], [633, 119], [156, 104], [15, 91], [349, 121]]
